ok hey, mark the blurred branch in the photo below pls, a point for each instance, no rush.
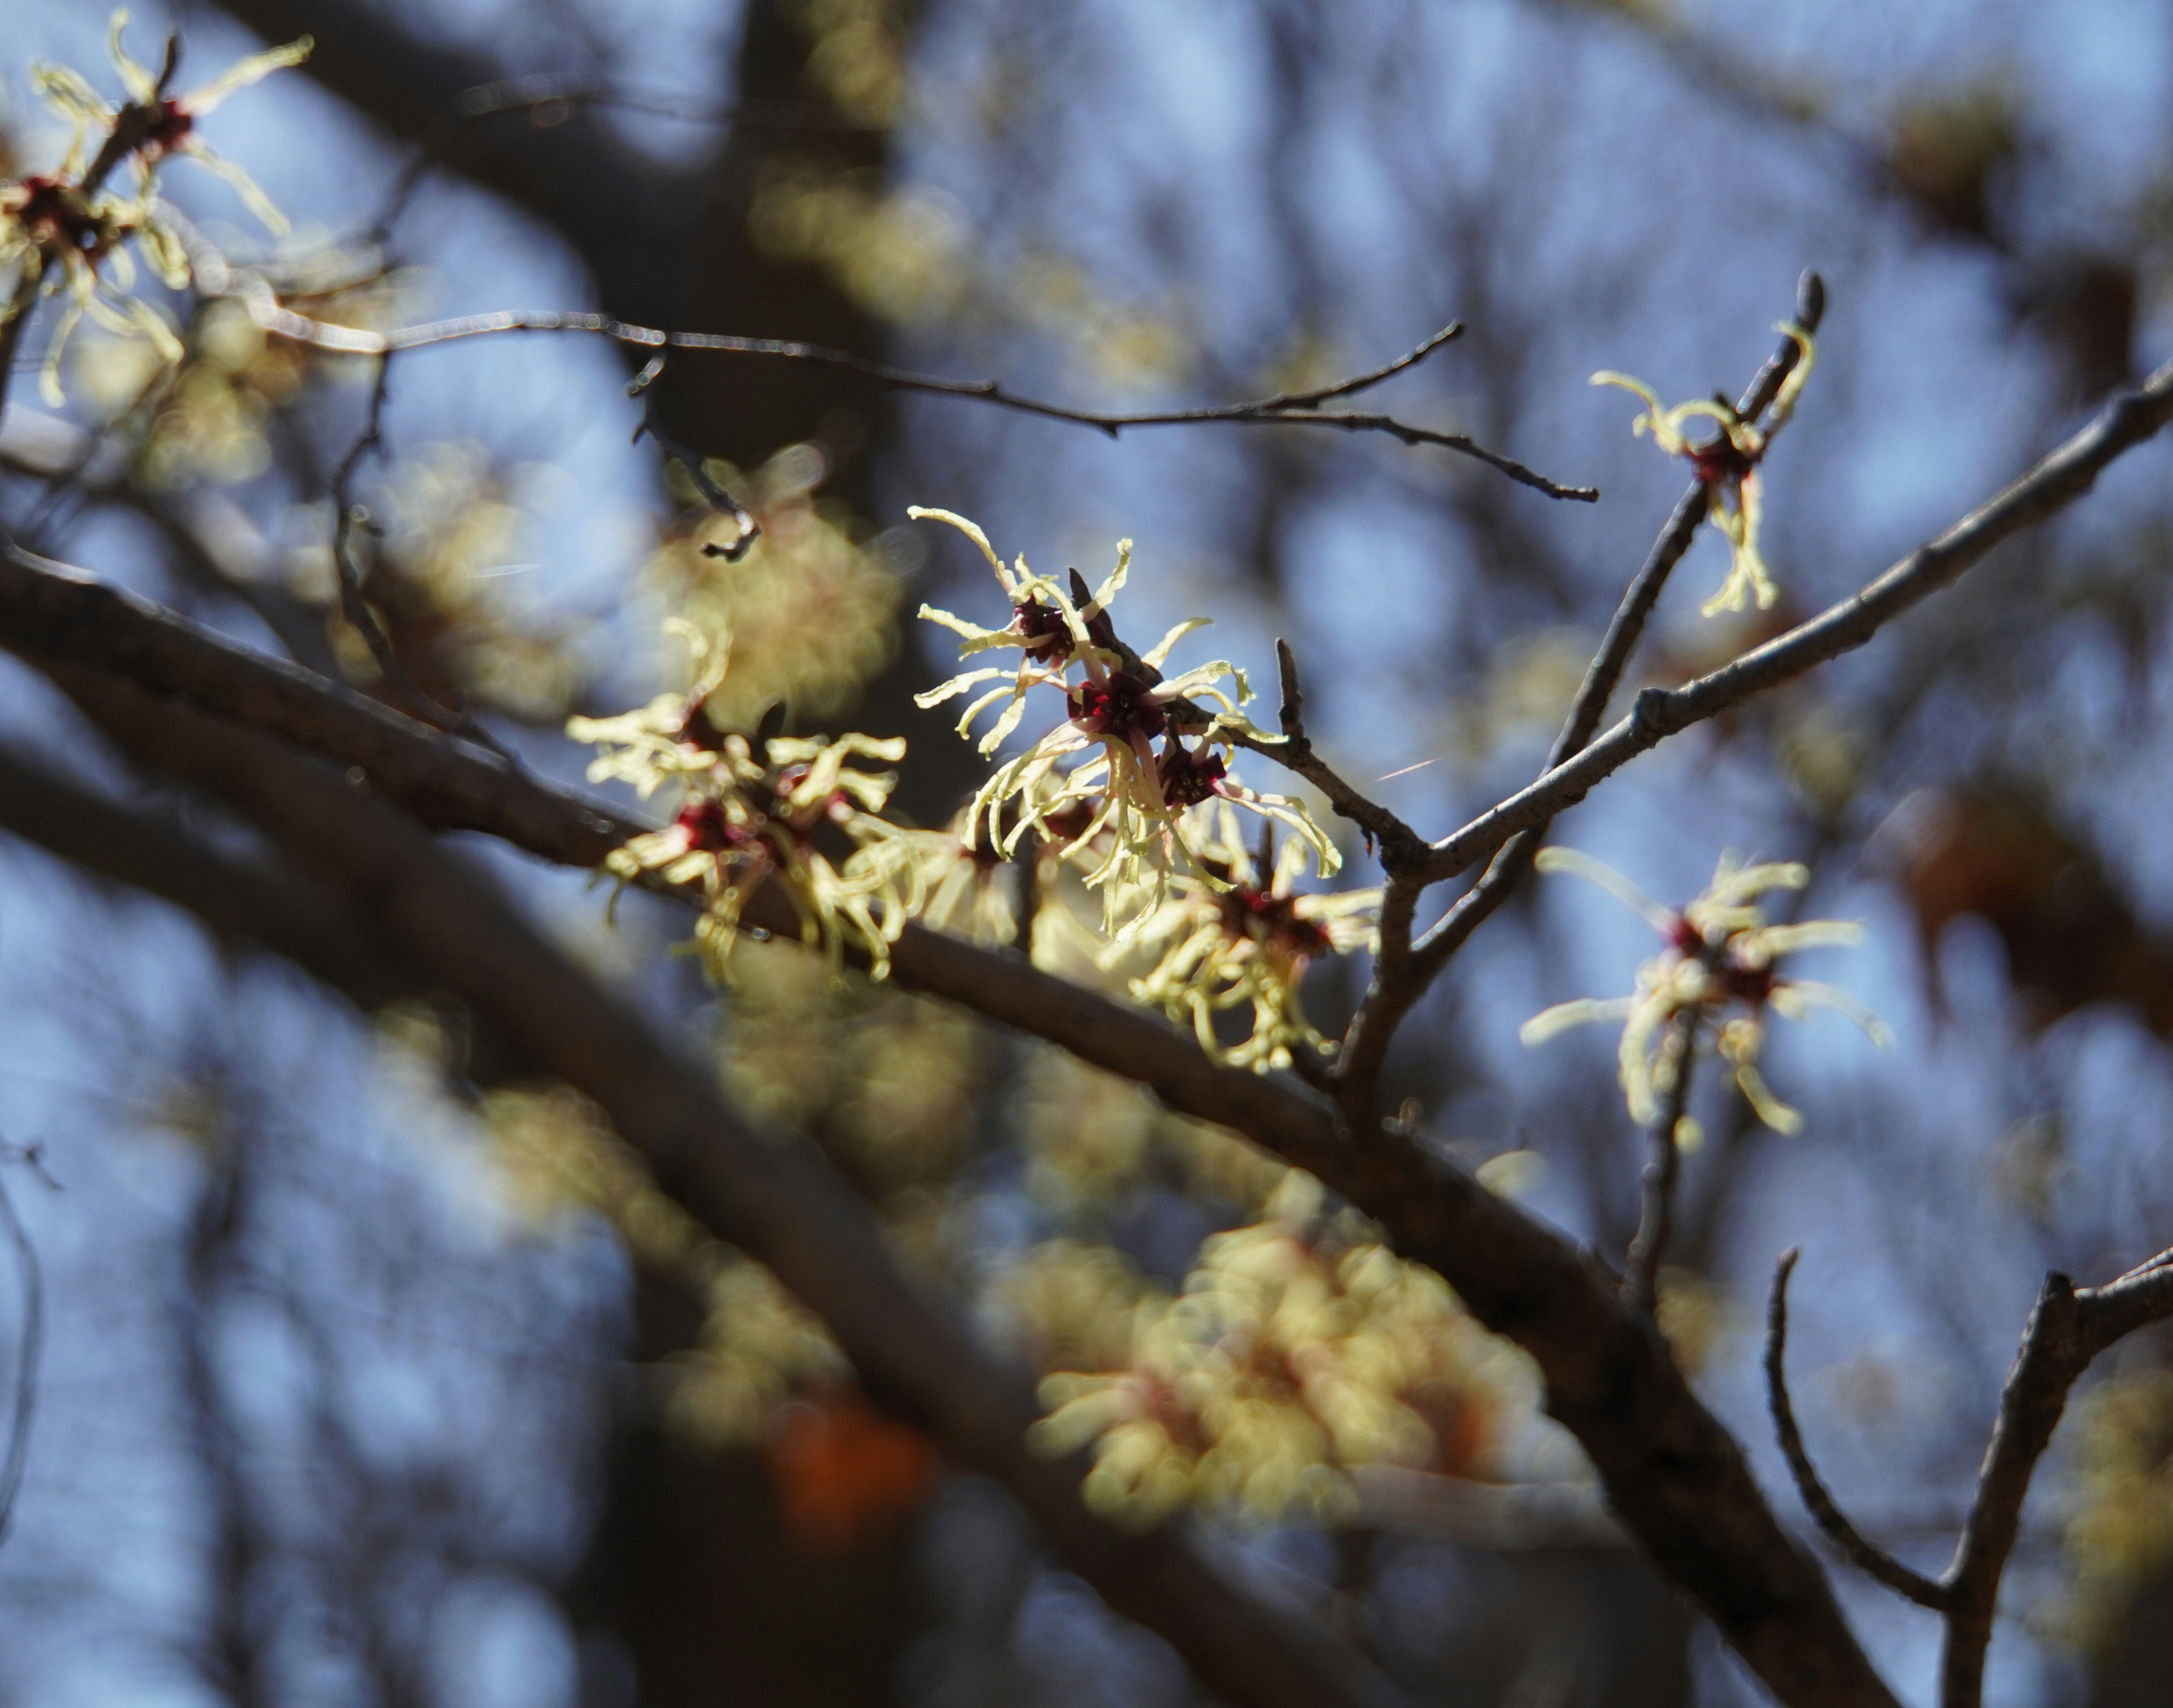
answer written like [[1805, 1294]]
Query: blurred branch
[[30, 1343], [1282, 409], [628, 215], [1867, 1555], [1676, 1479], [2133, 417], [1640, 1285], [543, 97], [2068, 1329], [240, 900], [779, 1202]]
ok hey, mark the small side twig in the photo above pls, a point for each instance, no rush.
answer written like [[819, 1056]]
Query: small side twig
[[713, 494], [1863, 1552], [1656, 1219], [30, 1342], [346, 517]]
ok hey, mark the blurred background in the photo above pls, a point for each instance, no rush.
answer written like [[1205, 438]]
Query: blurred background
[[372, 1373]]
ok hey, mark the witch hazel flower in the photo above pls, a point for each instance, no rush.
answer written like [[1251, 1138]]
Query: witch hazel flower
[[65, 233], [748, 816], [1100, 771], [1728, 464], [1249, 940], [1715, 964]]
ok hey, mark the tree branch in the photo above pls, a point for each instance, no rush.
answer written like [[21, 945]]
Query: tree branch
[[1284, 408], [1675, 1476], [2133, 417], [779, 1202], [1649, 1248], [1865, 1555], [1403, 976]]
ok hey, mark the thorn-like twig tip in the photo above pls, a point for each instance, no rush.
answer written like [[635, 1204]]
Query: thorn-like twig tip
[[1810, 300]]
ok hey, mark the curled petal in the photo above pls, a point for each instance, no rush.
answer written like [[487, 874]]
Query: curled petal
[[1160, 651], [1769, 1109], [245, 72], [1585, 1011], [1797, 997], [1582, 866]]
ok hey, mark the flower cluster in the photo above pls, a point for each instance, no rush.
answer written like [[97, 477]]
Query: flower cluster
[[65, 233], [1103, 758], [1248, 937], [1715, 964], [745, 817], [1728, 464], [1300, 1349]]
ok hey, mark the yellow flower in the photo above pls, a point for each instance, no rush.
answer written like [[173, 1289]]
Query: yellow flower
[[744, 819], [60, 229], [1119, 707], [1728, 465], [1247, 941], [952, 880], [1717, 964]]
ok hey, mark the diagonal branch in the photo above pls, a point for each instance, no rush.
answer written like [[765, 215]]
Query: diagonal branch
[[779, 1202], [1864, 1554], [1404, 972], [2132, 418], [1677, 1479]]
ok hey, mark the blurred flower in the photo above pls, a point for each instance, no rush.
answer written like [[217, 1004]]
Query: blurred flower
[[2120, 1528], [1728, 464], [811, 607], [954, 880], [1119, 707], [1300, 1348], [743, 819], [1717, 956], [1249, 939]]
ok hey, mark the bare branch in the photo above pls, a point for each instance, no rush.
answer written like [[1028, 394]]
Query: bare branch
[[2132, 418], [1677, 1479], [1400, 979], [1648, 1249], [1299, 408], [1866, 1554]]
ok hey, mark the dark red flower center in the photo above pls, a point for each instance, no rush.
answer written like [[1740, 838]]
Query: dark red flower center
[[168, 124], [58, 217], [1721, 462], [1271, 919], [1049, 636], [709, 829], [1118, 707], [1189, 778]]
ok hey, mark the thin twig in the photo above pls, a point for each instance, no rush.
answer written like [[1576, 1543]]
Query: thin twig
[[1401, 979], [1399, 844], [1281, 409], [1641, 1284], [29, 1345], [2133, 417], [1864, 1554], [714, 495], [355, 606]]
